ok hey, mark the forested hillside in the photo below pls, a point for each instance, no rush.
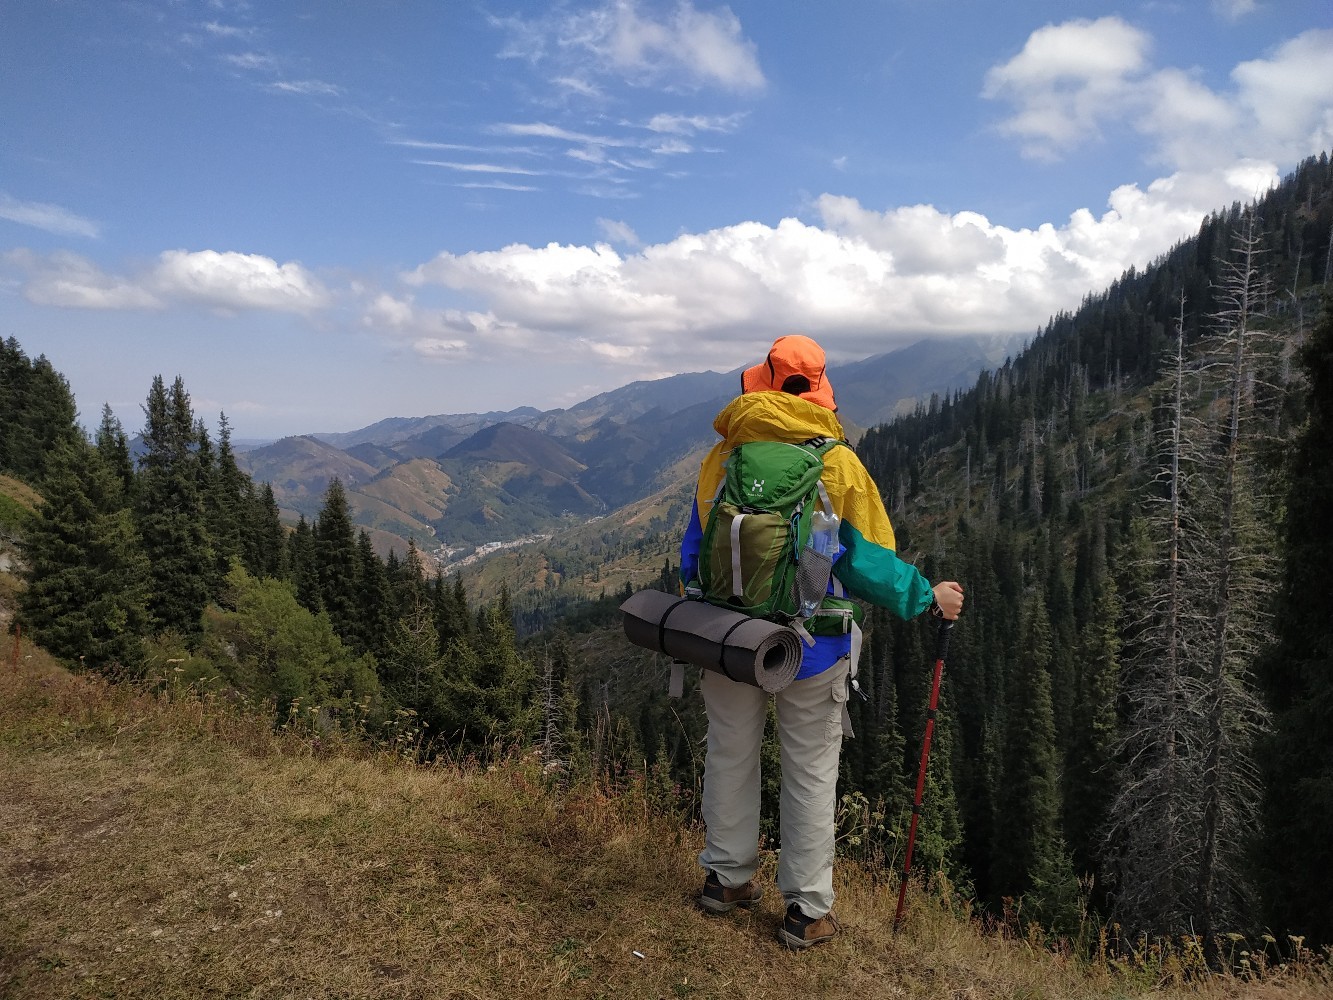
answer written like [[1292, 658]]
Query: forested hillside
[[1135, 703], [1130, 503]]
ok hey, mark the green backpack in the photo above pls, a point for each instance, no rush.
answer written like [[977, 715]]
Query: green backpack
[[755, 557]]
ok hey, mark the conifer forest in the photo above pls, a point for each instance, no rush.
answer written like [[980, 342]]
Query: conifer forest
[[1135, 710]]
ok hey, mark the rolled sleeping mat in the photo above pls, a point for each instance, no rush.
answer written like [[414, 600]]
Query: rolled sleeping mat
[[745, 649]]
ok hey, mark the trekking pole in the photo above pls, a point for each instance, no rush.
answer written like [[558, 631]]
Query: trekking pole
[[941, 648]]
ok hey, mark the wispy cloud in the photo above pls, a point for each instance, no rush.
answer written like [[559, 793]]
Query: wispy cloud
[[250, 61], [619, 231], [47, 217], [685, 48], [1234, 10], [498, 186], [218, 30], [478, 168], [545, 130], [694, 124], [315, 88]]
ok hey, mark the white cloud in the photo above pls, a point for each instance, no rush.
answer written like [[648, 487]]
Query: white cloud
[[619, 231], [51, 218], [693, 124], [1072, 79], [229, 281], [232, 280], [251, 61], [1290, 96], [862, 280], [70, 281], [1234, 10], [684, 47], [1067, 79], [477, 168], [219, 30], [307, 88]]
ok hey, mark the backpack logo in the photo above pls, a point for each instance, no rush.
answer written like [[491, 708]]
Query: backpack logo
[[758, 487]]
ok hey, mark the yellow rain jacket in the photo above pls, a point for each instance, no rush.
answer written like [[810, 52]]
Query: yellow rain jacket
[[868, 566]]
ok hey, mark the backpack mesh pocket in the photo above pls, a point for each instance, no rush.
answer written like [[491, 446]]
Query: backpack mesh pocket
[[811, 584]]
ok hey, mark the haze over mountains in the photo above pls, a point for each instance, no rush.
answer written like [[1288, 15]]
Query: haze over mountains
[[456, 483]]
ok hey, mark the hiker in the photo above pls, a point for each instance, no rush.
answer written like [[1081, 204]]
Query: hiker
[[787, 397]]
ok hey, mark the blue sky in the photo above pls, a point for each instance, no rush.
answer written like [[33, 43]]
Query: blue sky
[[321, 215]]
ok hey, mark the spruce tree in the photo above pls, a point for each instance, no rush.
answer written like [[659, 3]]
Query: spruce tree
[[335, 562], [1030, 856], [302, 569], [87, 579], [1090, 773], [169, 512], [1297, 677], [37, 413], [265, 537], [225, 495], [114, 447], [376, 604]]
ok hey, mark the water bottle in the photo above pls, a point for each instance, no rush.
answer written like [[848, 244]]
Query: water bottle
[[824, 533]]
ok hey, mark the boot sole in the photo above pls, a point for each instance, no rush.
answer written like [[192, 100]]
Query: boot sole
[[718, 907], [799, 944]]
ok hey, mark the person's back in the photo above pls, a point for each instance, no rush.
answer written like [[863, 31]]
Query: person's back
[[788, 398]]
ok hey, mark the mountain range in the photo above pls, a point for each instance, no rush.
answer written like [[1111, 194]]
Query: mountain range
[[457, 484]]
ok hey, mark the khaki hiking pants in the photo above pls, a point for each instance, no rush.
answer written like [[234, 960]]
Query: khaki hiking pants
[[810, 714]]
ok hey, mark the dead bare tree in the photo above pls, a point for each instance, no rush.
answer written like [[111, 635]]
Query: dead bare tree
[[1186, 808]]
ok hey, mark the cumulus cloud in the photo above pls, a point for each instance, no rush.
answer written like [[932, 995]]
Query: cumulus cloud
[[863, 280], [228, 281], [1073, 79], [51, 218], [683, 48], [1067, 79], [1289, 95], [237, 281], [71, 281]]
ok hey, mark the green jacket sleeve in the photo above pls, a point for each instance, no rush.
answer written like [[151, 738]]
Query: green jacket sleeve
[[874, 573]]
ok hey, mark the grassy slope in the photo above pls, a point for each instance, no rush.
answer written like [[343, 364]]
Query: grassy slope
[[171, 848]]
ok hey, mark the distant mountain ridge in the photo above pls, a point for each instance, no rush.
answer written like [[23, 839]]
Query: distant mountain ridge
[[455, 482]]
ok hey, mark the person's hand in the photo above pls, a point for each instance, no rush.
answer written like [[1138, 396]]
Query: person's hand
[[949, 599]]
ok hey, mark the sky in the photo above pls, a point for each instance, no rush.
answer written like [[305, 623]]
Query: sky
[[320, 215]]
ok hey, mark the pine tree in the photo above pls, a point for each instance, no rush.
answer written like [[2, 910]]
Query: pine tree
[[302, 569], [114, 447], [335, 562], [265, 537], [1031, 858], [1297, 676], [37, 413], [169, 512], [1090, 774], [224, 495], [87, 579], [376, 604], [411, 666]]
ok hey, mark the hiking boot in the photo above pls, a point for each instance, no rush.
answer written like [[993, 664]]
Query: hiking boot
[[799, 931], [717, 898]]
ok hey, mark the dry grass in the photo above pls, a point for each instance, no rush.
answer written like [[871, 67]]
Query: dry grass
[[168, 847]]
